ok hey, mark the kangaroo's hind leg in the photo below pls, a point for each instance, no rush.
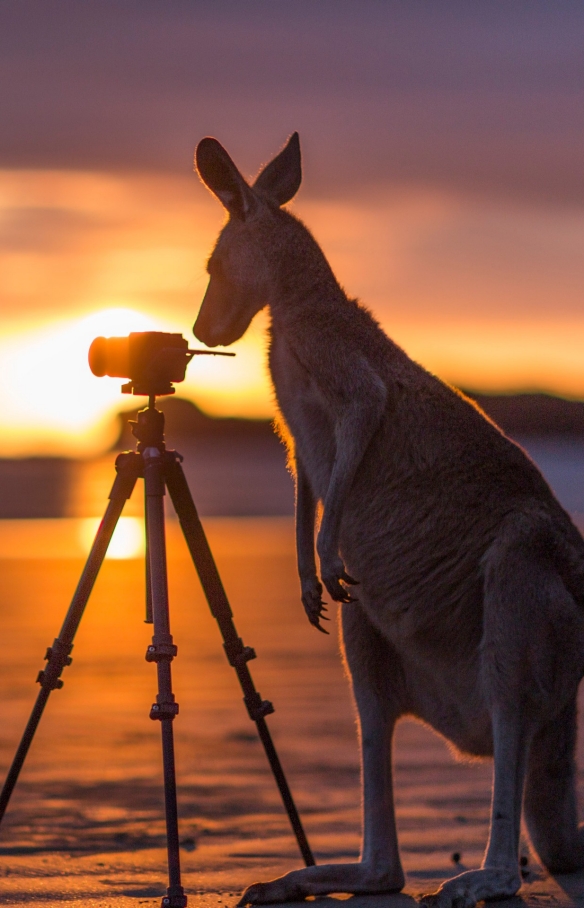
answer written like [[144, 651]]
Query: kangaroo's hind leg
[[376, 678], [531, 656], [550, 794]]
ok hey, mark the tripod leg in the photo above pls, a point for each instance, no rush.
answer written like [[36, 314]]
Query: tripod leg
[[148, 618], [162, 651], [237, 654], [129, 467]]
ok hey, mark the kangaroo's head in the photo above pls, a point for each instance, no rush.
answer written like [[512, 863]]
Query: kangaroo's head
[[239, 273]]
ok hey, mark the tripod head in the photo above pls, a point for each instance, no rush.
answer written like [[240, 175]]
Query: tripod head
[[151, 360]]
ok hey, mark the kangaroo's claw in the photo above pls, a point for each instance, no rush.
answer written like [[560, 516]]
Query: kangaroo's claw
[[316, 623], [313, 604], [336, 590], [334, 575]]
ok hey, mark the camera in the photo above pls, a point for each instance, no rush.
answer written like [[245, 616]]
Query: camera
[[151, 360]]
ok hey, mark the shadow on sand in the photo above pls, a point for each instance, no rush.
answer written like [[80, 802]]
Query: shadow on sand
[[572, 884]]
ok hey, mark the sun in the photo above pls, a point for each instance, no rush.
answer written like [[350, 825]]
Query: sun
[[52, 404], [48, 392]]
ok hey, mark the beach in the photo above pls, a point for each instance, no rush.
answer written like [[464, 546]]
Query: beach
[[86, 822]]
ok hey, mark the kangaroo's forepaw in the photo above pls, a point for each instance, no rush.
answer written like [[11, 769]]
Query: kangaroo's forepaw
[[313, 603], [334, 575], [474, 886], [335, 588]]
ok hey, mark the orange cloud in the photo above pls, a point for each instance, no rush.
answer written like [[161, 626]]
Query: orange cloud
[[487, 295]]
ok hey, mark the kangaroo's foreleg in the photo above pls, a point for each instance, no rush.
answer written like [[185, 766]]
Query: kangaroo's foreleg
[[377, 683], [305, 521], [353, 433]]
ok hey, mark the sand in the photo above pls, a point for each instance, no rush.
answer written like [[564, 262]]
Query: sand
[[86, 822]]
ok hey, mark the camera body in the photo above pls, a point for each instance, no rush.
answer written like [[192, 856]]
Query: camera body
[[151, 360]]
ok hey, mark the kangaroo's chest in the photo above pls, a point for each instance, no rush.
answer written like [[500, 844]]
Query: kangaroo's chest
[[307, 415]]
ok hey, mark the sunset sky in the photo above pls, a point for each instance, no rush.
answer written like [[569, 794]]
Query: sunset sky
[[443, 153]]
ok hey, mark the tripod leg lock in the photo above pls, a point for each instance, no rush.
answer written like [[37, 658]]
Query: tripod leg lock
[[164, 709], [237, 653], [57, 657], [256, 707], [176, 898], [129, 466], [161, 652]]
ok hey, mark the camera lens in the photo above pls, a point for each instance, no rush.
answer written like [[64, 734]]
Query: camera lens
[[110, 356]]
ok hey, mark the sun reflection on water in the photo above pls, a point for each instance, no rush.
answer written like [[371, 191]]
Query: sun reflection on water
[[127, 541]]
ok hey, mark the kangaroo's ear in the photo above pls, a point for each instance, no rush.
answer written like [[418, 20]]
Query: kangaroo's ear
[[281, 178], [219, 173]]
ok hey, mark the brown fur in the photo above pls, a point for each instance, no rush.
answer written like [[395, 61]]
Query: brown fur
[[470, 603]]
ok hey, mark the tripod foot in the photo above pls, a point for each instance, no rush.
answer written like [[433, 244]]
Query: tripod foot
[[175, 898]]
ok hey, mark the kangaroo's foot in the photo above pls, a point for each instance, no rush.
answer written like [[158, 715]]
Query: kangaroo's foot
[[466, 890], [322, 880]]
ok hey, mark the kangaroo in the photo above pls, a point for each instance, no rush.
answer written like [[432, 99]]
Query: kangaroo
[[469, 612]]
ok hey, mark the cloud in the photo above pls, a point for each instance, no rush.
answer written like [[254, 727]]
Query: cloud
[[46, 229], [487, 95], [76, 241]]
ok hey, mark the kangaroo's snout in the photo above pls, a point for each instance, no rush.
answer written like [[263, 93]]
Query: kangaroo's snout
[[224, 315], [203, 336], [203, 329]]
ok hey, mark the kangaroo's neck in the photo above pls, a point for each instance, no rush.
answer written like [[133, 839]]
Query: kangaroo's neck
[[302, 278], [309, 308]]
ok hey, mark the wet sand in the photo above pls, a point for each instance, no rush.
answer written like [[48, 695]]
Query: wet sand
[[86, 823]]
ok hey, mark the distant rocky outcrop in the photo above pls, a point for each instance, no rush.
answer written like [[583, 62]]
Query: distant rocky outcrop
[[533, 414], [516, 414], [237, 466], [34, 487], [185, 422]]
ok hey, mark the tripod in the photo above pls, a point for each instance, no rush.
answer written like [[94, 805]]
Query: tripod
[[160, 469]]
